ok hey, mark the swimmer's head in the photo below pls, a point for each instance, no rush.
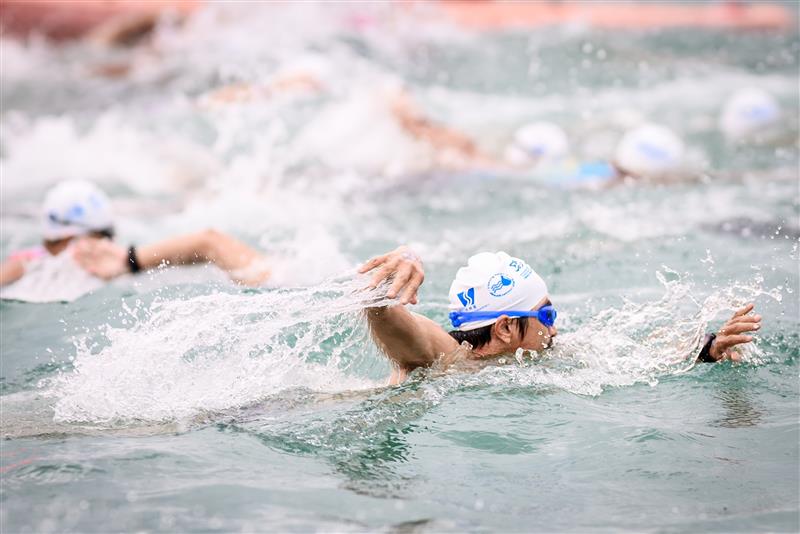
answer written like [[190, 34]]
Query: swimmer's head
[[649, 151], [497, 282], [74, 208], [749, 112], [537, 142]]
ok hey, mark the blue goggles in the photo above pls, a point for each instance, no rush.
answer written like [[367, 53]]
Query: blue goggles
[[545, 315]]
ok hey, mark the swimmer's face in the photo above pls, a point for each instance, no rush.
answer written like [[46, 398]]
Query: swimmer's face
[[538, 336]]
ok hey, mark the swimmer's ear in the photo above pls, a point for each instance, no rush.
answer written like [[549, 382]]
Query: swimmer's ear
[[502, 329]]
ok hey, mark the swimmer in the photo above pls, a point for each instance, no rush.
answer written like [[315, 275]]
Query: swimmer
[[750, 114], [120, 23], [650, 152], [308, 75], [541, 151], [78, 224], [453, 148], [538, 143], [498, 304], [382, 129]]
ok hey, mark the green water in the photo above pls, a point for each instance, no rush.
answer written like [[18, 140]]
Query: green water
[[178, 402]]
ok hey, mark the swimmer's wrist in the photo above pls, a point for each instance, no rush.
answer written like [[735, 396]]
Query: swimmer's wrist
[[133, 261]]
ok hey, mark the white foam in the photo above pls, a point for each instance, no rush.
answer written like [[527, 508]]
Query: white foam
[[216, 352]]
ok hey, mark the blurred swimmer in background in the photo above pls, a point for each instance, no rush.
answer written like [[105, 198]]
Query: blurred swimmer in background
[[649, 152], [498, 305], [750, 115], [77, 253]]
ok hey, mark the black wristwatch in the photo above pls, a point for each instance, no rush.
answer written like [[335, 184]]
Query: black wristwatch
[[705, 352], [133, 261]]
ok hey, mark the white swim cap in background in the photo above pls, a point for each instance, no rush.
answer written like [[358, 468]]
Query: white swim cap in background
[[650, 150], [538, 141], [73, 208], [748, 112], [495, 282]]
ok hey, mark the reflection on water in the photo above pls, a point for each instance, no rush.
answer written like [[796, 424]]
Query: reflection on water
[[740, 407]]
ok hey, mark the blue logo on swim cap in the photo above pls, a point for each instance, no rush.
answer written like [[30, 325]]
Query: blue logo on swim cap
[[500, 285], [467, 298], [654, 152], [76, 212]]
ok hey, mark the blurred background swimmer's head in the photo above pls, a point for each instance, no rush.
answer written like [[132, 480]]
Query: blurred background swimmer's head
[[750, 114], [650, 151], [74, 208], [538, 142]]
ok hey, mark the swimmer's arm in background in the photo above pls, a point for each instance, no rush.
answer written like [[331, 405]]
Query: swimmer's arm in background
[[417, 125], [11, 270], [107, 260], [734, 332], [408, 339]]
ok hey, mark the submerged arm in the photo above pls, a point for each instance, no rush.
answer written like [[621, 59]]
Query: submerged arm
[[106, 259]]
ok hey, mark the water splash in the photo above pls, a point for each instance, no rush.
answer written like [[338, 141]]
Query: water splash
[[223, 350], [216, 352], [643, 342]]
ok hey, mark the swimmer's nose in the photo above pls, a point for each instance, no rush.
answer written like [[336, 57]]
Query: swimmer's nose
[[553, 331]]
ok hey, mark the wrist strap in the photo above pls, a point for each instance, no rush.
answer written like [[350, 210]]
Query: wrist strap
[[133, 261], [705, 352]]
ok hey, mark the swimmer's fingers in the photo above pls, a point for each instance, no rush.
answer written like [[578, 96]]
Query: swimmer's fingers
[[402, 275], [372, 263], [386, 271], [743, 310], [83, 252], [397, 264], [730, 341], [734, 356], [739, 327], [101, 257], [410, 292], [722, 344]]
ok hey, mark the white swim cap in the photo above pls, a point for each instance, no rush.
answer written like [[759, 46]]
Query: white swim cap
[[650, 150], [73, 208], [495, 282], [538, 141], [747, 112]]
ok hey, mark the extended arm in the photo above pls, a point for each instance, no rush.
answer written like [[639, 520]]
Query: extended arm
[[106, 259], [442, 138], [408, 339]]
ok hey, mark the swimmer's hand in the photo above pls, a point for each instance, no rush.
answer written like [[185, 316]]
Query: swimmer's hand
[[101, 257], [734, 332], [403, 267]]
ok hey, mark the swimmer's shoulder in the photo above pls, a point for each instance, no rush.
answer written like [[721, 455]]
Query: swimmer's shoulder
[[441, 341]]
